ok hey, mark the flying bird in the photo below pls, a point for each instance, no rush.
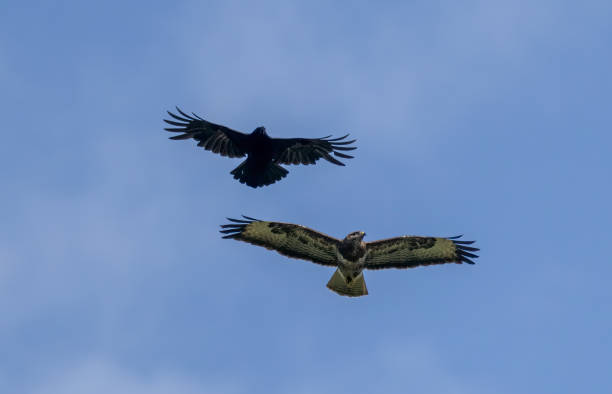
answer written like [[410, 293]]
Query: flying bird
[[351, 255], [264, 154]]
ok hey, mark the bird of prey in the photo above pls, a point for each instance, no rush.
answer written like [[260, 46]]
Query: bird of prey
[[351, 255], [264, 154]]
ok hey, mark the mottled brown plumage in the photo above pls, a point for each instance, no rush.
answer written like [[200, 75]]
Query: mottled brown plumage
[[351, 255]]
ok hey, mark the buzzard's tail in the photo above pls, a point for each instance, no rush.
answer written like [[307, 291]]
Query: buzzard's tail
[[354, 288], [255, 176]]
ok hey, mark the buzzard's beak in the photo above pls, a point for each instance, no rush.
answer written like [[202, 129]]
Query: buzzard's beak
[[363, 234]]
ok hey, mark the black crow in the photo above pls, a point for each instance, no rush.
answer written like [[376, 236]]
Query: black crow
[[264, 154]]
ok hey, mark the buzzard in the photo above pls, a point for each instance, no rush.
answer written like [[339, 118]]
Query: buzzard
[[264, 154], [351, 255]]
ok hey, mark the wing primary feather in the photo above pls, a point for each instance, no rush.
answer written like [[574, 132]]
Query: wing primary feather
[[341, 143], [468, 254], [251, 219], [344, 147], [468, 248], [173, 123], [465, 259], [332, 160], [175, 129], [238, 221], [177, 117], [184, 114], [336, 139], [229, 231], [463, 242], [181, 137], [343, 155], [233, 230], [194, 114], [455, 237], [463, 251]]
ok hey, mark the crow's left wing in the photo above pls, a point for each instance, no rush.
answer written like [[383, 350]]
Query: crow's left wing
[[309, 150]]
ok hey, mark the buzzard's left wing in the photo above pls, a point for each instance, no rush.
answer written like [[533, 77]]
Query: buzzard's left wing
[[409, 252], [309, 150], [287, 239]]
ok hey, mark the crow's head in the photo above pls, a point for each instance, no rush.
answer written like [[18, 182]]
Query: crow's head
[[260, 131]]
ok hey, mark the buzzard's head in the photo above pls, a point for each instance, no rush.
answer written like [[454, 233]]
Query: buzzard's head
[[352, 247], [355, 236], [260, 131]]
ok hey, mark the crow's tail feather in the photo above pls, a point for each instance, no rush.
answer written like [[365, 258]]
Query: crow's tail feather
[[255, 176]]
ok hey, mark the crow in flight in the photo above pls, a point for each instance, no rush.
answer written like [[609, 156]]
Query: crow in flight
[[264, 154]]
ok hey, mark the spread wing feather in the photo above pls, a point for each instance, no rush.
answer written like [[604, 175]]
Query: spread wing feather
[[213, 137], [409, 252], [309, 150], [287, 239]]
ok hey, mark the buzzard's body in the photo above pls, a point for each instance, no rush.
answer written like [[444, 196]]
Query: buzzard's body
[[264, 154], [351, 255]]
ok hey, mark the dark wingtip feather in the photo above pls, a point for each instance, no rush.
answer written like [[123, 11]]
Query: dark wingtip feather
[[342, 142], [182, 113], [463, 259], [464, 252], [468, 254], [464, 242], [239, 220], [343, 155], [173, 123], [180, 137], [251, 219], [178, 117], [336, 139], [234, 229], [343, 147], [338, 145]]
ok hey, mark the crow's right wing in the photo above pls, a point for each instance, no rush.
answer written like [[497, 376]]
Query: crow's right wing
[[213, 137]]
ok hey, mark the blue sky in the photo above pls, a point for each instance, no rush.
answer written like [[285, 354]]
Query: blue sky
[[485, 118]]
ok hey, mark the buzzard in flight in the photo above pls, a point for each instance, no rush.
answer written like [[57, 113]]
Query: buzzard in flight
[[351, 255], [264, 154]]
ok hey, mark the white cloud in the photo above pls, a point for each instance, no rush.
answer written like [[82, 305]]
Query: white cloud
[[102, 377], [390, 367], [281, 67], [99, 240]]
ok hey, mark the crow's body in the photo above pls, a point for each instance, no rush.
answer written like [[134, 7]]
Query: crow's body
[[259, 169], [264, 154]]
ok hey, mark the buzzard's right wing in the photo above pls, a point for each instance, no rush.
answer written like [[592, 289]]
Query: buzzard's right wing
[[213, 137], [287, 239]]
